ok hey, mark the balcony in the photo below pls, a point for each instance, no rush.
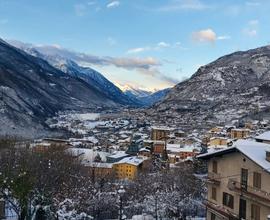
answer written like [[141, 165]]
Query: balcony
[[213, 178], [249, 191], [221, 210]]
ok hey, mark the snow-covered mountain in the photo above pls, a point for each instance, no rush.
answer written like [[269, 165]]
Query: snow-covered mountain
[[234, 86], [147, 98], [31, 90], [62, 60], [155, 97]]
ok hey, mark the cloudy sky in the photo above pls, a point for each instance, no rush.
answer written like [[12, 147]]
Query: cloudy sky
[[149, 44]]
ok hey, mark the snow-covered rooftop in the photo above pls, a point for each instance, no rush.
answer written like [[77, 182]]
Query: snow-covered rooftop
[[253, 150], [87, 155], [135, 160], [118, 154], [264, 136], [165, 128], [176, 148], [99, 165]]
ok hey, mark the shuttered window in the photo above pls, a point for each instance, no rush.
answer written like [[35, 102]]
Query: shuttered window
[[214, 193], [214, 166], [257, 180], [255, 212]]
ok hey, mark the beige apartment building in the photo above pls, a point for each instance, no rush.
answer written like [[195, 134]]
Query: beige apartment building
[[160, 133], [239, 182], [240, 133]]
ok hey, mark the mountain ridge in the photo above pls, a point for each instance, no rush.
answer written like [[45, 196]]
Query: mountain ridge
[[127, 95], [32, 90], [233, 86], [89, 75]]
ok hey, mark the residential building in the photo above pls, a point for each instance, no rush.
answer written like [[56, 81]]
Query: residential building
[[158, 147], [160, 133], [181, 152], [146, 152], [216, 141], [215, 131], [86, 156], [100, 170], [239, 133], [41, 146], [116, 156], [129, 167], [238, 181], [179, 133]]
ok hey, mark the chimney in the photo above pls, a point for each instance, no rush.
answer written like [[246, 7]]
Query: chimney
[[268, 154]]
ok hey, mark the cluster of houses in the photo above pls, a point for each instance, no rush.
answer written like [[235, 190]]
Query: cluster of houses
[[165, 146], [238, 158]]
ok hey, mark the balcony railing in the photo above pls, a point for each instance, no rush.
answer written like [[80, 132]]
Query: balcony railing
[[213, 178], [249, 190], [220, 209]]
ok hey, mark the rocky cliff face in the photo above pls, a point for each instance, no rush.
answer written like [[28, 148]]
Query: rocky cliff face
[[234, 86]]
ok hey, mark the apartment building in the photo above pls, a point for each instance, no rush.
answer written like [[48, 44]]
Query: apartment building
[[239, 133], [239, 182], [128, 167], [160, 133]]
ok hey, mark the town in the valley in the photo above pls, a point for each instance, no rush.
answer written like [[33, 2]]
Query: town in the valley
[[231, 161]]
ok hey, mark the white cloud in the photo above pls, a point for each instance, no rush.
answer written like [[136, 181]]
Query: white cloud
[[159, 46], [163, 44], [113, 4], [176, 5], [148, 66], [252, 28], [80, 9], [250, 32], [138, 50], [224, 37], [207, 35]]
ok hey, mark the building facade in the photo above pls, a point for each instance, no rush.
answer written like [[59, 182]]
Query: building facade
[[239, 182]]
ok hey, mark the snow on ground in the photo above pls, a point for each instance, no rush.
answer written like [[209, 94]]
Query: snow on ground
[[87, 116]]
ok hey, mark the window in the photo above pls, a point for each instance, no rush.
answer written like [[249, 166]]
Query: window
[[214, 193], [213, 216], [214, 166], [257, 180], [255, 212], [244, 179], [228, 200], [242, 209]]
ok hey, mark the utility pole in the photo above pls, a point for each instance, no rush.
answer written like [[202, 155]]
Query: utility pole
[[121, 208], [156, 209]]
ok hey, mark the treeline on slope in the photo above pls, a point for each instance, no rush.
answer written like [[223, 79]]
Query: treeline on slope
[[54, 185]]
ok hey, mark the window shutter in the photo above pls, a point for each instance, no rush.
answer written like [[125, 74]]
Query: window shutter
[[257, 180]]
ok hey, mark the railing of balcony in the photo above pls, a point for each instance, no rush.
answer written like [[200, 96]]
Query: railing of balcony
[[252, 191], [221, 210], [213, 178]]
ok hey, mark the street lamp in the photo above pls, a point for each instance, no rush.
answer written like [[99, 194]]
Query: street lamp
[[121, 192]]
